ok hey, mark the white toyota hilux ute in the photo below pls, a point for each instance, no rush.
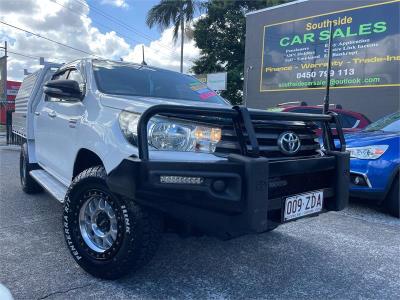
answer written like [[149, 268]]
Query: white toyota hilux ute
[[131, 150]]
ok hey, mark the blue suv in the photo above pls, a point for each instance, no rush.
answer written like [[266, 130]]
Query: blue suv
[[375, 162]]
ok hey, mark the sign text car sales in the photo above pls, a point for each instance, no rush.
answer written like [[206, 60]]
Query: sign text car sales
[[366, 43]]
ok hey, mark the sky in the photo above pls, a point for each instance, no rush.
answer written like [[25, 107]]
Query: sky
[[132, 12], [111, 29]]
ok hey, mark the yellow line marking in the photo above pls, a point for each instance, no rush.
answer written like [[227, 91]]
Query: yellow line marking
[[262, 61], [333, 87]]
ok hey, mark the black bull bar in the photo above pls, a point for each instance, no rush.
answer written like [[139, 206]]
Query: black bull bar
[[241, 116], [247, 204]]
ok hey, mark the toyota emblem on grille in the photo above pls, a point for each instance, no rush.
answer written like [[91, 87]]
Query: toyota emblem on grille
[[289, 143]]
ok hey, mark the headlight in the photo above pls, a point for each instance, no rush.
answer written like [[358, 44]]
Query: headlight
[[368, 152], [128, 123], [171, 135]]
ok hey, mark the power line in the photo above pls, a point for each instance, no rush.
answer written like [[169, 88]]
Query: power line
[[171, 54], [122, 24], [38, 57], [94, 21], [50, 40], [117, 21], [20, 54], [109, 17], [23, 55]]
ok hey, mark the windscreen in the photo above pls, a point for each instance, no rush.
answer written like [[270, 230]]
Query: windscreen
[[121, 78], [390, 123]]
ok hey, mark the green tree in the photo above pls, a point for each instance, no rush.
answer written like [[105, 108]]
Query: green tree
[[175, 13], [220, 36]]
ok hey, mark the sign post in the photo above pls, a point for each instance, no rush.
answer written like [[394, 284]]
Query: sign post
[[3, 76], [328, 71]]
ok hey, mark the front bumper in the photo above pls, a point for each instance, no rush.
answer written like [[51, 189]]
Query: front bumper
[[379, 175], [250, 198]]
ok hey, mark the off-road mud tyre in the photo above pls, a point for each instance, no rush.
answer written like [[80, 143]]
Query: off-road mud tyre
[[28, 184], [139, 230]]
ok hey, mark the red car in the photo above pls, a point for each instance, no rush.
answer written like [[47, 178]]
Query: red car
[[351, 121]]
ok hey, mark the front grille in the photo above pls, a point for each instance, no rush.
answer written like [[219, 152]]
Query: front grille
[[240, 125], [267, 134]]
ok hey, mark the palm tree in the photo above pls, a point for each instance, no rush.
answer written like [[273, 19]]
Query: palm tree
[[175, 12]]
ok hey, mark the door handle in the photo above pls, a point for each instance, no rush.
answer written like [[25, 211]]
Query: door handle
[[72, 123], [37, 113], [52, 114]]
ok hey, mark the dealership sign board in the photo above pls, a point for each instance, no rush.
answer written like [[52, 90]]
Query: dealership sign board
[[366, 43]]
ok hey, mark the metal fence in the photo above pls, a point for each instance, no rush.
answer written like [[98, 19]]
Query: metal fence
[[11, 137]]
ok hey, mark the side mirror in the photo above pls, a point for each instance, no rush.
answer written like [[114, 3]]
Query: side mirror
[[65, 89]]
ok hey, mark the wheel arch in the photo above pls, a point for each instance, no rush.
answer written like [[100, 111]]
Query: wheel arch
[[391, 180], [85, 159]]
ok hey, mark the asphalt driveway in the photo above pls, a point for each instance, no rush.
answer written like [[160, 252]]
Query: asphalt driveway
[[347, 255]]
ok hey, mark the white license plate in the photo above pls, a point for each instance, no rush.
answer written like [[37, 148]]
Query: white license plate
[[301, 205]]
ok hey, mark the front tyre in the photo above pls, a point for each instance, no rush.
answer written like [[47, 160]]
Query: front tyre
[[393, 198], [108, 236]]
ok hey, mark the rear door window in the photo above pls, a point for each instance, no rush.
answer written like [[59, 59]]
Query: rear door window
[[75, 75], [61, 75]]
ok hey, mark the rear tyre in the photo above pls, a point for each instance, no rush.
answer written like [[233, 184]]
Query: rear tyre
[[393, 198], [107, 235], [28, 184]]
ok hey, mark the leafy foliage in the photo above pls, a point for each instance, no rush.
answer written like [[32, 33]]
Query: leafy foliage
[[175, 12], [220, 35], [169, 12]]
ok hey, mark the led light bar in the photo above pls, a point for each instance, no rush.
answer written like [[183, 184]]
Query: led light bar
[[181, 180]]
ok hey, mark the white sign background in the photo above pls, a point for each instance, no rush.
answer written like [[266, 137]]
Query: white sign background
[[217, 81]]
